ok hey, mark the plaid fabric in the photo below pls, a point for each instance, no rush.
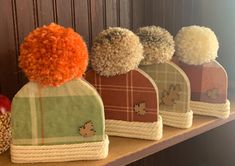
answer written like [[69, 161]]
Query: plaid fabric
[[166, 75], [121, 93], [53, 115], [205, 78]]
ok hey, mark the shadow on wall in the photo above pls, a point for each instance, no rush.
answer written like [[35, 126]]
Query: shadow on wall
[[219, 15]]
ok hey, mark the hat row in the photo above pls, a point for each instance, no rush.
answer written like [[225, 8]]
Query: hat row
[[133, 88]]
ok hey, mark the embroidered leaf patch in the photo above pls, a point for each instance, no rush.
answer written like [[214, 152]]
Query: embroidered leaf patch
[[213, 93], [140, 108], [171, 95], [87, 130]]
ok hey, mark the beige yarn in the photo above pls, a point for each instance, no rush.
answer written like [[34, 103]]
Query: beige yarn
[[176, 119], [196, 45], [58, 153], [5, 132], [116, 51], [142, 130], [158, 44], [211, 109]]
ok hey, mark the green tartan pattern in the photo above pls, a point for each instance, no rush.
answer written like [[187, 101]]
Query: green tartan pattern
[[165, 75], [53, 115]]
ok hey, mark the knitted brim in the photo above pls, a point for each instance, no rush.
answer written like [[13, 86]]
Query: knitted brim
[[60, 153], [141, 130], [211, 109], [177, 119]]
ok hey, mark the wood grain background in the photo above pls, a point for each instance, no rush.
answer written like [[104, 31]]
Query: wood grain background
[[88, 17]]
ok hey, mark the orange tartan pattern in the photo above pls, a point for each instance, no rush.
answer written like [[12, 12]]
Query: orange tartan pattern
[[121, 93]]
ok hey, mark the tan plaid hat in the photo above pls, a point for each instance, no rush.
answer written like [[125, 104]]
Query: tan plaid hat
[[172, 82]]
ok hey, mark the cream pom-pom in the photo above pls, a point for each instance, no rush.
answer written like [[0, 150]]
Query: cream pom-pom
[[196, 45], [116, 51], [158, 44]]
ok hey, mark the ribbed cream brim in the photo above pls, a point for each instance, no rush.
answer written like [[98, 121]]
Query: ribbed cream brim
[[60, 153], [177, 119], [141, 130], [211, 109]]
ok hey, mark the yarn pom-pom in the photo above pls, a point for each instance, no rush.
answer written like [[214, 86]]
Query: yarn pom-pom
[[196, 45], [116, 51], [158, 44], [52, 55], [5, 131], [5, 121]]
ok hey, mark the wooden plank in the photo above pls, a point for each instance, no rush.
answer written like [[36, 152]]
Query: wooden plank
[[126, 14], [123, 151], [179, 14], [25, 18], [25, 23], [45, 12], [159, 15], [170, 15], [138, 14], [188, 12], [8, 50], [111, 14], [81, 19], [197, 12], [149, 12], [64, 12], [213, 148], [155, 4], [171, 137], [97, 17]]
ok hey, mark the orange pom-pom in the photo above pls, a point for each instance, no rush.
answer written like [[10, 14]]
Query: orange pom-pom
[[52, 55]]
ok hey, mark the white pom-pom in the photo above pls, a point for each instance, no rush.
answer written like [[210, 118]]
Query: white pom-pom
[[196, 45]]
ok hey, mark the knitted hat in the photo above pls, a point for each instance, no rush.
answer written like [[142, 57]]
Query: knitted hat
[[57, 116], [5, 117], [130, 96], [172, 82], [196, 50]]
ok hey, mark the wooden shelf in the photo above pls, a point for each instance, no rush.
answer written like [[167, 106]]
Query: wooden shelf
[[124, 151]]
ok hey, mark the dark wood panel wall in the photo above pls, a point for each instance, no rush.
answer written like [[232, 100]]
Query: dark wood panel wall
[[88, 17]]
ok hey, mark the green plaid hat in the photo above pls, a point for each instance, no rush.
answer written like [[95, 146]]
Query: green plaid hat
[[72, 113]]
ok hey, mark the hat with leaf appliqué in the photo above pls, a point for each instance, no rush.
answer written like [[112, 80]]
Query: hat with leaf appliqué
[[172, 82], [196, 51], [57, 115], [130, 96]]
